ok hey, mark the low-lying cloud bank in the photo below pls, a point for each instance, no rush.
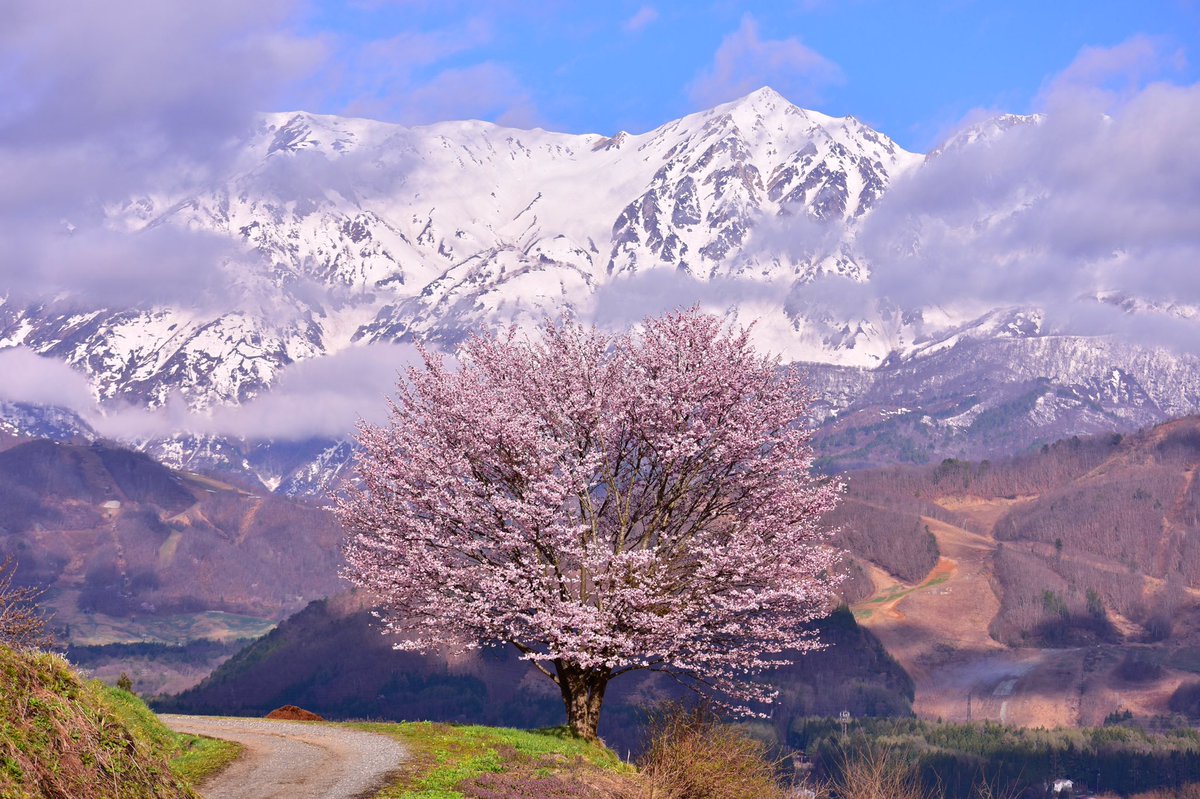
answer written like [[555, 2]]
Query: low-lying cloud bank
[[1098, 197], [1090, 209], [102, 104], [321, 397]]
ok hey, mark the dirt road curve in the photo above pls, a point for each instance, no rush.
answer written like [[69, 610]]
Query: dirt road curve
[[289, 760]]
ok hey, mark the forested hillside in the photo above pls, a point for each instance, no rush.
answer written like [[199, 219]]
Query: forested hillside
[[1055, 574], [134, 552]]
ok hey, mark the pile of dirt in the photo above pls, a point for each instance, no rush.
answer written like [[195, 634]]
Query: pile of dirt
[[62, 737], [293, 713]]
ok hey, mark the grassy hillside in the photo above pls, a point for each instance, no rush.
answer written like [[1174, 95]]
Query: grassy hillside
[[1088, 528], [64, 737], [191, 758], [449, 762]]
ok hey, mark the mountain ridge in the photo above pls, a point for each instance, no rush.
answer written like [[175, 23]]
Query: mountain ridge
[[360, 206], [346, 234]]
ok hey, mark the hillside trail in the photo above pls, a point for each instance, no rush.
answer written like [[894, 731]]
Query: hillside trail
[[293, 760], [975, 677]]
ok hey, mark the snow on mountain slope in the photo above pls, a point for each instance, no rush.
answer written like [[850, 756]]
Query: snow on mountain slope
[[985, 131], [721, 170], [982, 396], [549, 217], [435, 230], [346, 232], [146, 355]]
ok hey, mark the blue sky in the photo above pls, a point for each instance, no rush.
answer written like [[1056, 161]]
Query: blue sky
[[910, 69]]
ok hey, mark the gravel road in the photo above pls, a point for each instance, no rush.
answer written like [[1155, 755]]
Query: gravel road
[[290, 760]]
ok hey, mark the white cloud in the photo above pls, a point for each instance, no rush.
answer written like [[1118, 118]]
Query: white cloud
[[1099, 197], [26, 376], [642, 17], [414, 78], [324, 396], [630, 299], [103, 102], [744, 62], [483, 91], [1124, 67]]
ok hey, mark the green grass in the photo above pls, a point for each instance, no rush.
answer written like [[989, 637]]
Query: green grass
[[863, 612], [444, 756], [63, 736], [192, 758], [899, 593], [98, 629], [197, 758]]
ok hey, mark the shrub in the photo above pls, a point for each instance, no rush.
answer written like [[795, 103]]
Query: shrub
[[878, 772], [1159, 627], [693, 756], [22, 625], [1118, 717]]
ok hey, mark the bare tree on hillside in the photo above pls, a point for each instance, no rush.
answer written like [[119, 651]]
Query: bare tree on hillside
[[22, 623]]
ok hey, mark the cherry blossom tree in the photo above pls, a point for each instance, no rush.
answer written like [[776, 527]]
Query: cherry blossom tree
[[605, 504]]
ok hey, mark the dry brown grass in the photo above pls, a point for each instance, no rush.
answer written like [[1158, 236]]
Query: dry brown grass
[[882, 772], [693, 756], [1189, 791], [878, 773]]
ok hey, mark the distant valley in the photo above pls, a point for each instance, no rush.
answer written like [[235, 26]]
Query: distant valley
[[1057, 587], [135, 552]]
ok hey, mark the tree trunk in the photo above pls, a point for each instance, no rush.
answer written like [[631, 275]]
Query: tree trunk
[[583, 694]]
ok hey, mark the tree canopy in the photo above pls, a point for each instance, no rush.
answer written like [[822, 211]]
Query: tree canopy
[[603, 503]]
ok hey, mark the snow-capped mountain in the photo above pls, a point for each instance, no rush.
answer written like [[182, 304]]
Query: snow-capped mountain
[[354, 232], [432, 230], [985, 131], [996, 387]]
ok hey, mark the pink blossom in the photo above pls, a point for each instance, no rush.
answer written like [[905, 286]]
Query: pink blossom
[[605, 504]]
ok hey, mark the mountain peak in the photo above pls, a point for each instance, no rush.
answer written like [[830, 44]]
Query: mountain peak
[[986, 131], [766, 103], [762, 98], [766, 93]]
